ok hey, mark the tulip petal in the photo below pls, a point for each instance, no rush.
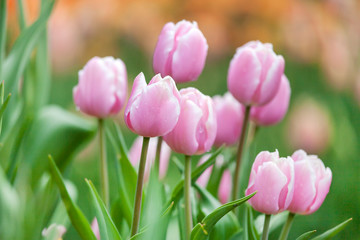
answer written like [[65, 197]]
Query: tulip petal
[[269, 182], [244, 75]]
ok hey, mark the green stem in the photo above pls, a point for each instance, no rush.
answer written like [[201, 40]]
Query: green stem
[[187, 189], [265, 234], [157, 156], [139, 187], [286, 229], [103, 165], [244, 129]]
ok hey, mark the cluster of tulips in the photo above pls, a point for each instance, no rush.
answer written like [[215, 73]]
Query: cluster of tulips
[[191, 123]]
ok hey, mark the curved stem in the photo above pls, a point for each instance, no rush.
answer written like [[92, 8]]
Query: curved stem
[[139, 187], [265, 233], [187, 188], [157, 156], [286, 229], [103, 165], [244, 127]]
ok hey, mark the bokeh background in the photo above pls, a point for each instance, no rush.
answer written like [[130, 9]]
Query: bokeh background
[[320, 41]]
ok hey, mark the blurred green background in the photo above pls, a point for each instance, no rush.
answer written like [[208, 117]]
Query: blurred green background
[[319, 40]]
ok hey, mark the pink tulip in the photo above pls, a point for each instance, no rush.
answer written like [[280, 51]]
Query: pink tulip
[[274, 111], [102, 88], [135, 153], [195, 131], [273, 179], [312, 183], [153, 110], [229, 116], [254, 73], [225, 187], [180, 51], [95, 228]]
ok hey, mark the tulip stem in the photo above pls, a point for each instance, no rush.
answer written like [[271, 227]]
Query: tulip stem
[[139, 187], [187, 188], [265, 234], [244, 128], [157, 156], [286, 229], [103, 165]]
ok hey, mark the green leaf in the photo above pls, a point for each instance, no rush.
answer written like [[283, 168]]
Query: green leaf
[[126, 175], [107, 228], [178, 190], [333, 231], [18, 58], [77, 218], [227, 226], [250, 232], [3, 18], [10, 209], [202, 229], [57, 132], [306, 236], [4, 105]]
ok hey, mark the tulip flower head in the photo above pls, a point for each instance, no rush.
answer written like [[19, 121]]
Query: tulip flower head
[[312, 183], [255, 72], [153, 110], [195, 131], [102, 88], [274, 111], [229, 116], [273, 179], [180, 51], [135, 153]]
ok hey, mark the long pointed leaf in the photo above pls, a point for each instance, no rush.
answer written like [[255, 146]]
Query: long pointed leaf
[[333, 231], [306, 236], [76, 216], [108, 230], [201, 230]]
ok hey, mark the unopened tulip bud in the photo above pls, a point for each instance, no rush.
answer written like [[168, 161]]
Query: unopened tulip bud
[[312, 183], [180, 51], [153, 110], [273, 179], [274, 111], [229, 116], [102, 88], [254, 74], [195, 131]]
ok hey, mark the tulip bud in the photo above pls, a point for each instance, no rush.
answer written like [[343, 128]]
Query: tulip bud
[[153, 110], [95, 228], [229, 116], [255, 73], [273, 179], [312, 183], [102, 88], [135, 153], [225, 187], [195, 131], [180, 51], [309, 126], [55, 230], [274, 111]]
